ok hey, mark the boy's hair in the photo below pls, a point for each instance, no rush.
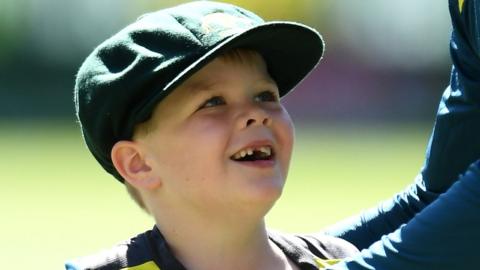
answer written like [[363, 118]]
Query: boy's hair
[[122, 80]]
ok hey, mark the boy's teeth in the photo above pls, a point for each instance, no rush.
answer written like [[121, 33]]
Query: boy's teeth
[[267, 150]]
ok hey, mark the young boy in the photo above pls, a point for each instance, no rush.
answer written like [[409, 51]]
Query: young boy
[[182, 106]]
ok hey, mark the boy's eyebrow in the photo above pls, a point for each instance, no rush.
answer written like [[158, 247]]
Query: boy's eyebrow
[[200, 86], [205, 85], [269, 81]]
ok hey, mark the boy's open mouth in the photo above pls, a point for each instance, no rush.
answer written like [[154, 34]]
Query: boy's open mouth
[[254, 154]]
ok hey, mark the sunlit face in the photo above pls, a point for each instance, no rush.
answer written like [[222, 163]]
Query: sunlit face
[[221, 141]]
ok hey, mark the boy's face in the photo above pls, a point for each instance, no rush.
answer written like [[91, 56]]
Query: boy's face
[[197, 135]]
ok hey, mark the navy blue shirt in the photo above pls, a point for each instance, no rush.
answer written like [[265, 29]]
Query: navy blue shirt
[[150, 251]]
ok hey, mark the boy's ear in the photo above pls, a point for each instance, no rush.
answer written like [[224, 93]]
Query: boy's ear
[[129, 160]]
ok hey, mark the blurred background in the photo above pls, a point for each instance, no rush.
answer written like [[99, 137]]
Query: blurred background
[[363, 118]]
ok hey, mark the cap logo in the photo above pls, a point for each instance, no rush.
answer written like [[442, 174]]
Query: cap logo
[[224, 24]]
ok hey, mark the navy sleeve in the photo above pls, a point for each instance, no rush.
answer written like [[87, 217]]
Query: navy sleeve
[[443, 236], [453, 145]]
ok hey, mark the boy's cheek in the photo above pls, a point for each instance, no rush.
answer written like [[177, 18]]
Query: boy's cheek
[[286, 136], [207, 129], [287, 129]]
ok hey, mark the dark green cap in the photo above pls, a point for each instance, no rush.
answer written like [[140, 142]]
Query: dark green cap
[[122, 80]]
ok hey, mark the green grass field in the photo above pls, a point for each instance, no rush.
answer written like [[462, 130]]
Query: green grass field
[[57, 203]]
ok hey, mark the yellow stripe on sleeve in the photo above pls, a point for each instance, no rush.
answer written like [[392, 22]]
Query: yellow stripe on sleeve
[[460, 5], [150, 265], [322, 264]]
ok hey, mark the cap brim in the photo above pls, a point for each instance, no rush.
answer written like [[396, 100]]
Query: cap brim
[[290, 50]]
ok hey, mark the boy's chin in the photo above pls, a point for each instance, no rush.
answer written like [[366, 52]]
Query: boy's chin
[[264, 196]]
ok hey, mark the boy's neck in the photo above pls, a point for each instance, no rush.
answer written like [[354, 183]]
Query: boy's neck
[[228, 246]]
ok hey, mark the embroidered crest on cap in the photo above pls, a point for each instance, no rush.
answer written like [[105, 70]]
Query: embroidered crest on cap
[[224, 24]]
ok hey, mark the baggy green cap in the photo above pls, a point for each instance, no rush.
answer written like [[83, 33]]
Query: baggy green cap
[[122, 80]]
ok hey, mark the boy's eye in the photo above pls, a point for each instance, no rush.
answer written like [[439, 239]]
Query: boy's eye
[[267, 96], [214, 101]]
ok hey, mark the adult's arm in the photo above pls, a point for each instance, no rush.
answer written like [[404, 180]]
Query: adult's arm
[[444, 236], [453, 145]]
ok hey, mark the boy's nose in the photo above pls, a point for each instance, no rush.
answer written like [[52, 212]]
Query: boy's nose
[[265, 121], [257, 116]]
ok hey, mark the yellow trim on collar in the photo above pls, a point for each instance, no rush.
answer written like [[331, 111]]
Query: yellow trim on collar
[[460, 5], [150, 265], [322, 264]]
